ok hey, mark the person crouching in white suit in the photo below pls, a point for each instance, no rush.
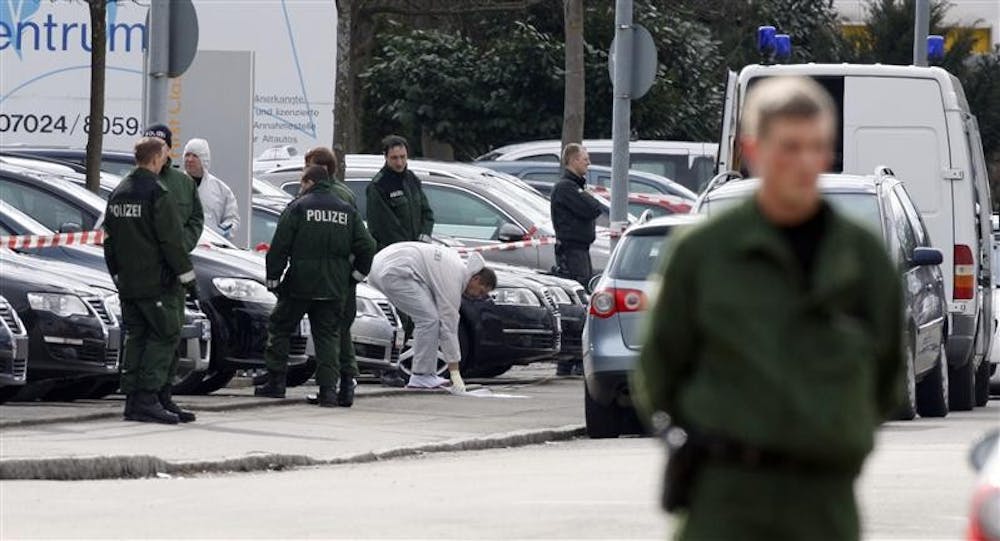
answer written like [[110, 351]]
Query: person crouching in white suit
[[427, 282]]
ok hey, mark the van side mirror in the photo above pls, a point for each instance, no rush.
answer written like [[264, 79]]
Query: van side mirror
[[925, 257], [509, 232]]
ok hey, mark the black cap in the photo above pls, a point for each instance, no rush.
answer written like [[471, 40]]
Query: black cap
[[161, 131]]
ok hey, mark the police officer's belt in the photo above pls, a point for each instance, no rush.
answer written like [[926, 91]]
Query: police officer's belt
[[726, 451]]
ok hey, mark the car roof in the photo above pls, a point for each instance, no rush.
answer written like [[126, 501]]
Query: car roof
[[829, 183], [603, 145]]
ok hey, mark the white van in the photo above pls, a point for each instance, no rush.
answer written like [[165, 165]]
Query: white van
[[690, 164], [916, 121]]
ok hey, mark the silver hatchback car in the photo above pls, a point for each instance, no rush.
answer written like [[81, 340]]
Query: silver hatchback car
[[612, 335]]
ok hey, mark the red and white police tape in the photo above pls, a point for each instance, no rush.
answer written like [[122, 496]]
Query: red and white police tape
[[16, 242]]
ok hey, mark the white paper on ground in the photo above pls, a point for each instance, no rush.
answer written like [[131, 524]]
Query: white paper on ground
[[484, 392]]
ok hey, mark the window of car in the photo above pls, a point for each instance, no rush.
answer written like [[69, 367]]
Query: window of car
[[45, 207], [916, 221], [359, 187], [540, 158], [639, 255], [291, 188], [902, 229], [120, 168], [641, 186], [538, 174], [462, 214], [262, 227]]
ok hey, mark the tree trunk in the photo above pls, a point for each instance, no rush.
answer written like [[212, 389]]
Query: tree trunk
[[575, 99], [355, 35], [98, 54]]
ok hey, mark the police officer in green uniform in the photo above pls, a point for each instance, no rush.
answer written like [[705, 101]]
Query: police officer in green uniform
[[398, 210], [144, 254], [325, 157], [192, 219], [316, 236], [775, 342]]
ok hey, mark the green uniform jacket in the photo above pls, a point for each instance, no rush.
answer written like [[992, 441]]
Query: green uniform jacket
[[398, 215], [185, 193], [315, 238], [740, 346], [142, 248]]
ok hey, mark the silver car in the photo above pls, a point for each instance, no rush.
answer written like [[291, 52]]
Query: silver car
[[612, 335]]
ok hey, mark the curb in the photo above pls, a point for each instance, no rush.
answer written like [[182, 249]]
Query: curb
[[142, 466], [115, 413]]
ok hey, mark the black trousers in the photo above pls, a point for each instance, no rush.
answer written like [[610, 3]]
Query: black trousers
[[573, 262]]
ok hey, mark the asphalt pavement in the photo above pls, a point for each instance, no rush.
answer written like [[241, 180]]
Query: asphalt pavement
[[916, 486]]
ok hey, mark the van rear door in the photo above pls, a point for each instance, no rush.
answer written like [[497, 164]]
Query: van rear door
[[900, 122]]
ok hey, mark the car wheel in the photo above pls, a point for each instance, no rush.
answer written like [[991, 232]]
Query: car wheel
[[8, 391], [490, 371], [70, 391], [188, 383], [406, 364], [215, 380], [962, 387], [909, 408], [983, 383], [602, 421], [932, 392], [103, 389], [300, 373]]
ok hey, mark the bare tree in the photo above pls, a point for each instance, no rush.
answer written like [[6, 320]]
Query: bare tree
[[575, 98], [98, 57]]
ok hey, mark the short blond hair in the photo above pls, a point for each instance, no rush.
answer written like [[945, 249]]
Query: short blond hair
[[570, 151], [783, 97]]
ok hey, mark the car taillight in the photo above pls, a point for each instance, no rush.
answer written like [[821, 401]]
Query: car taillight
[[965, 277], [605, 303]]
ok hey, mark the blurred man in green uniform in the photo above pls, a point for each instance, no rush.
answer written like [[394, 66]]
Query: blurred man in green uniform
[[145, 257], [776, 341], [325, 157], [184, 191], [316, 237], [398, 210]]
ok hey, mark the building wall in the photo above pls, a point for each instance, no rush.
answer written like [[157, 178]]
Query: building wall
[[983, 15]]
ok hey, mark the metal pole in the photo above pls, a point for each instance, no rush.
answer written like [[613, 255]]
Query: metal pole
[[621, 113], [157, 63], [921, 27]]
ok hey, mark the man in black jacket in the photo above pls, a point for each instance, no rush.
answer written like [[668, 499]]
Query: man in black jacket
[[574, 212]]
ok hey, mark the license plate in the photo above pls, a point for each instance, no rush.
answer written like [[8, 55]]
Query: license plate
[[304, 328]]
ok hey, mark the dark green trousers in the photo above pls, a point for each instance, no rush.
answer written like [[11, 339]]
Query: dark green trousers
[[152, 332], [172, 370], [348, 360], [324, 319], [731, 502]]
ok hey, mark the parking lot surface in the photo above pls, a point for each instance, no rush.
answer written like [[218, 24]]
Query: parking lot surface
[[916, 486]]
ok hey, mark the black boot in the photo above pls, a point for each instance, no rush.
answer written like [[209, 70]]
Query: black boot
[[146, 408], [327, 397], [345, 395], [167, 401], [128, 406], [275, 386]]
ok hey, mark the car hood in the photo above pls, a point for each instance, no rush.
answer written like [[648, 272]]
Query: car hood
[[86, 275], [229, 263], [32, 278]]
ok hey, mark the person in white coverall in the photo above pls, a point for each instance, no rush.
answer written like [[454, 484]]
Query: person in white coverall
[[222, 213], [427, 282]]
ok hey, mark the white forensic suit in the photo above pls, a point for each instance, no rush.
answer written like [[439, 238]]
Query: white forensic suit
[[218, 203], [426, 282]]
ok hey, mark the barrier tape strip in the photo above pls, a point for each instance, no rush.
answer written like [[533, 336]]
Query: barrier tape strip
[[80, 238], [533, 243]]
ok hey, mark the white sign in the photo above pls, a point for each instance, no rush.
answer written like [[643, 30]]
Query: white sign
[[45, 62]]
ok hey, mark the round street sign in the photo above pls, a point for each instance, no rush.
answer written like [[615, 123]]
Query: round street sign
[[644, 62]]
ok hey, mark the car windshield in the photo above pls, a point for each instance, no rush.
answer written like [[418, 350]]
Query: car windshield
[[639, 255], [861, 207], [529, 202]]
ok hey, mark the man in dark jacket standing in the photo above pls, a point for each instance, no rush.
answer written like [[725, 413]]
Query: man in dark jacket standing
[[574, 213], [398, 210], [775, 342], [144, 255], [191, 216], [325, 158], [317, 236]]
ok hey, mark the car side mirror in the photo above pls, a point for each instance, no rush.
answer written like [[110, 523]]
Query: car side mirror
[[593, 282], [509, 232], [925, 257], [70, 227], [982, 449], [646, 216]]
